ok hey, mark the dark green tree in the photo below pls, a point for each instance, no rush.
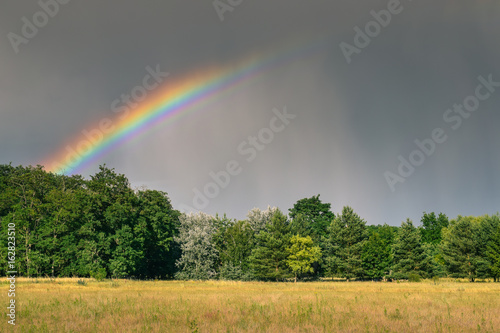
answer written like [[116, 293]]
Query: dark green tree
[[234, 244], [432, 226], [29, 187], [268, 259], [344, 245], [108, 240], [486, 229], [68, 226], [386, 232], [376, 257], [408, 254], [493, 254], [459, 248], [311, 217], [157, 224]]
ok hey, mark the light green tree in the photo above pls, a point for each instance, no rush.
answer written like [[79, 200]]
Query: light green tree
[[301, 255]]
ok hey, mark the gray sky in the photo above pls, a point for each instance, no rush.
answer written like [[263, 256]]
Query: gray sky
[[352, 120]]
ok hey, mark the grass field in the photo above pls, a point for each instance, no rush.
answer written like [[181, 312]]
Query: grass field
[[64, 305]]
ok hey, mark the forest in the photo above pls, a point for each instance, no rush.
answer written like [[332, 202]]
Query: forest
[[68, 226]]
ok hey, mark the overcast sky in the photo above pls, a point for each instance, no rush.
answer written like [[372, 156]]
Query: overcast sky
[[358, 104]]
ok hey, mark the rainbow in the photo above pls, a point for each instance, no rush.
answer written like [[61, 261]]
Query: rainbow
[[171, 102]]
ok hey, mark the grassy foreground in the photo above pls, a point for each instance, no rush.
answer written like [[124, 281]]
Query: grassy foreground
[[63, 305]]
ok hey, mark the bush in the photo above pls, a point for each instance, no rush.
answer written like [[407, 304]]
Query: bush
[[99, 275], [398, 276], [81, 282], [414, 277]]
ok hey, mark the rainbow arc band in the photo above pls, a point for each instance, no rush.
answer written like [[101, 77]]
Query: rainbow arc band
[[178, 99]]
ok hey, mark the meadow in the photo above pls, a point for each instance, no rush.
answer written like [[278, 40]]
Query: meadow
[[87, 305]]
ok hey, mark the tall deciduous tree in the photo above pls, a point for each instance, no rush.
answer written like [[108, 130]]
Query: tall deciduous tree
[[158, 224], [259, 219], [311, 217], [432, 226], [199, 255]]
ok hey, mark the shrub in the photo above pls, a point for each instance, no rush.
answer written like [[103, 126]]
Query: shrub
[[99, 275], [414, 277]]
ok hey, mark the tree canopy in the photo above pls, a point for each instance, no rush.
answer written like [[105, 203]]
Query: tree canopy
[[64, 226]]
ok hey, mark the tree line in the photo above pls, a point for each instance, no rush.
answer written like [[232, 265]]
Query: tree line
[[100, 227]]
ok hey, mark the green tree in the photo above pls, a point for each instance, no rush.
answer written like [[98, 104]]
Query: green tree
[[433, 264], [386, 232], [311, 217], [107, 233], [408, 253], [485, 231], [376, 257], [301, 255], [7, 191], [493, 254], [69, 226], [29, 187], [126, 254], [260, 219], [234, 243], [432, 226], [347, 234], [459, 248], [268, 259], [57, 233], [157, 223], [199, 254]]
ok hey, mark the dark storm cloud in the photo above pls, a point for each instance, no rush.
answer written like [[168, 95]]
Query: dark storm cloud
[[353, 120]]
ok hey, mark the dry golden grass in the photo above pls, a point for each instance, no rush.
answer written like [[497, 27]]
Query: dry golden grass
[[63, 305]]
